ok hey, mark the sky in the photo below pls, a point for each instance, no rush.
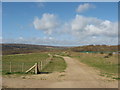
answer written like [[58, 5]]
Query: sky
[[60, 23], [0, 22]]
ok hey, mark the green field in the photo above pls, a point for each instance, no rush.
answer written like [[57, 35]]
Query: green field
[[108, 66], [19, 59], [22, 62]]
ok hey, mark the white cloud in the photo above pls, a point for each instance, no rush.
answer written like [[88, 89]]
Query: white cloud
[[47, 23], [83, 7], [89, 26], [20, 38], [103, 29]]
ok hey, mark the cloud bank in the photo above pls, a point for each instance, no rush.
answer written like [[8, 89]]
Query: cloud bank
[[90, 26], [89, 30]]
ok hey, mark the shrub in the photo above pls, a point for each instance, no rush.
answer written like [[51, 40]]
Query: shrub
[[110, 54], [101, 52], [106, 56]]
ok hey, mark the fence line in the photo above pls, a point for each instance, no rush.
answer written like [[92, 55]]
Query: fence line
[[44, 63], [41, 66], [22, 66], [10, 67]]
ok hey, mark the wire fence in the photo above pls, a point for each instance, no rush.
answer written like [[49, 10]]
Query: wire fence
[[24, 66]]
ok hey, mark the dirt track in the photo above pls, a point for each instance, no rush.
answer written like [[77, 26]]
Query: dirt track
[[77, 75]]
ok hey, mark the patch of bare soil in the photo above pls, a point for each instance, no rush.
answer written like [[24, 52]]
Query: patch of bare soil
[[77, 75]]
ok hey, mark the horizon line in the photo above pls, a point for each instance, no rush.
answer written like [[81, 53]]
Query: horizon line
[[62, 45]]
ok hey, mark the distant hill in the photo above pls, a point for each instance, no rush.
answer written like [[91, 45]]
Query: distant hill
[[96, 48], [28, 48]]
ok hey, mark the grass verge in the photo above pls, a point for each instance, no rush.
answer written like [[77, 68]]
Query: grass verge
[[57, 64], [108, 66]]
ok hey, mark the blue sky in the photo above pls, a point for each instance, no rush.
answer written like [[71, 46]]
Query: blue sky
[[63, 24], [0, 21]]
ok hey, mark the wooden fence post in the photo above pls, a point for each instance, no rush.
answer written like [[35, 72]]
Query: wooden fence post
[[22, 67], [36, 70], [45, 62], [41, 65], [10, 67]]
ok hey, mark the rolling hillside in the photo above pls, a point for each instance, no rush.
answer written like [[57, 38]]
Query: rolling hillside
[[96, 48], [27, 48]]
